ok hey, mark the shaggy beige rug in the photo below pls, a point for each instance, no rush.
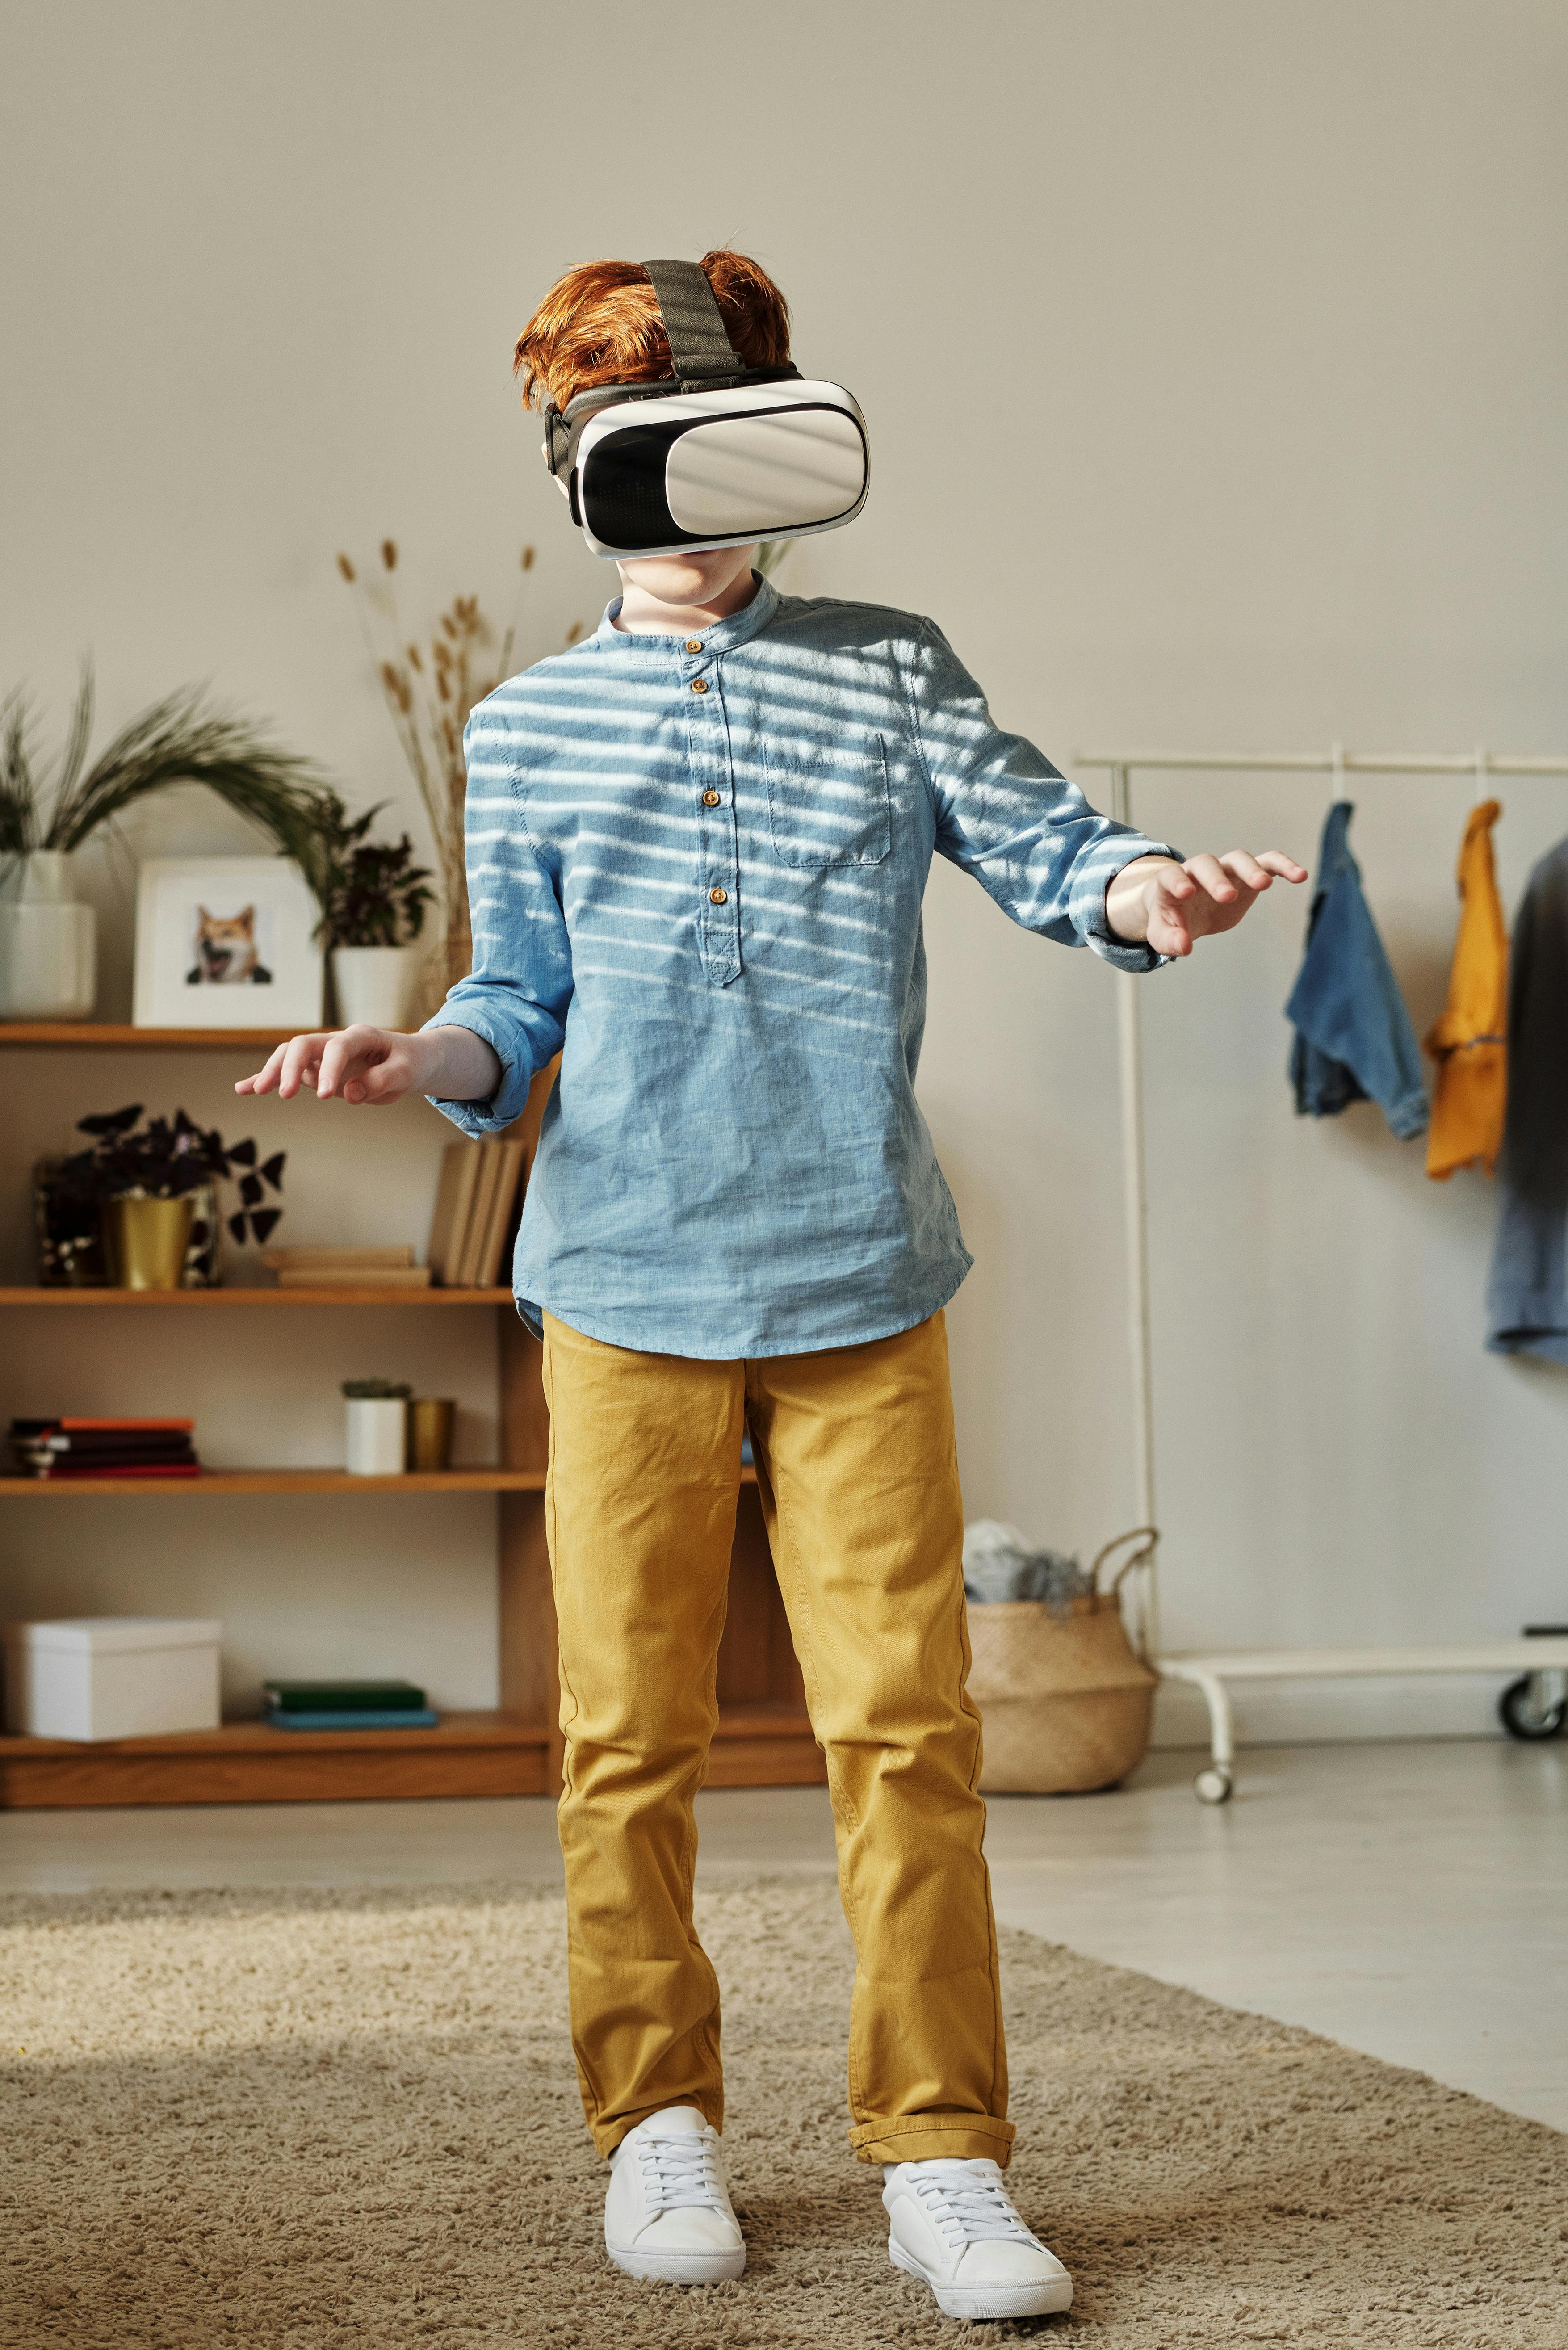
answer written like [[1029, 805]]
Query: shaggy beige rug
[[300, 2120]]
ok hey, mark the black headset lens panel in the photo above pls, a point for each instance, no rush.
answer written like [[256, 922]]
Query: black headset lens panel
[[623, 497]]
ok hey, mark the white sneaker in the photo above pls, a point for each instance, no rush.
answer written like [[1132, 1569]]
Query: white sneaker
[[953, 2224], [668, 2213]]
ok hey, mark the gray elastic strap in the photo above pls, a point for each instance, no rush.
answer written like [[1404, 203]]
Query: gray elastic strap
[[699, 346]]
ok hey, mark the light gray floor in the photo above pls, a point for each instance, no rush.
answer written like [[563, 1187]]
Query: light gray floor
[[1411, 1900]]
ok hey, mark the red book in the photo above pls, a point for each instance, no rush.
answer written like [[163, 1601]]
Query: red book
[[68, 1424]]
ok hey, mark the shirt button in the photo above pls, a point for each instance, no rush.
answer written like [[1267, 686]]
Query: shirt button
[[718, 897], [698, 685], [694, 644], [710, 799]]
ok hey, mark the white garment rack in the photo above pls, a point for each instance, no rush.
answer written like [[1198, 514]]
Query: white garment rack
[[1545, 1660]]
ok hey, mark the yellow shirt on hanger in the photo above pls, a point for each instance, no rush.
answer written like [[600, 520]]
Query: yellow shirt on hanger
[[1468, 1041]]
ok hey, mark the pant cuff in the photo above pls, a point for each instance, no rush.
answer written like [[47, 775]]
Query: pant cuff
[[608, 2135], [932, 2137]]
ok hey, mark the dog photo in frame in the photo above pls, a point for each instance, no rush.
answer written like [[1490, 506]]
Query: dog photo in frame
[[226, 942]]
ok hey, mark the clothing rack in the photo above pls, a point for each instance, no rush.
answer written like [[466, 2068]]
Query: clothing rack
[[1544, 1659]]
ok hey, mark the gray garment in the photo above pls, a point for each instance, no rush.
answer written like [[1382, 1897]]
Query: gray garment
[[1527, 1291]]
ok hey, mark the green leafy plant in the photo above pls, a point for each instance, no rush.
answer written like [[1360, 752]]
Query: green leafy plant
[[372, 892], [57, 804], [166, 1158], [377, 1390]]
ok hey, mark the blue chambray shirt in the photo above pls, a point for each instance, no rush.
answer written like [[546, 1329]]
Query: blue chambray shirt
[[695, 870]]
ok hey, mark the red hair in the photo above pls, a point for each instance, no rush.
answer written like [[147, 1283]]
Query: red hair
[[600, 323]]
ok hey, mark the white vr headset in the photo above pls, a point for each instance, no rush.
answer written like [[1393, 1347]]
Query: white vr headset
[[713, 455]]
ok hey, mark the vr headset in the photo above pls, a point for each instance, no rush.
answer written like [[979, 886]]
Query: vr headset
[[715, 454]]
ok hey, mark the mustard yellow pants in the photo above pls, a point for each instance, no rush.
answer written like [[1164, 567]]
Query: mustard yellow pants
[[859, 1481]]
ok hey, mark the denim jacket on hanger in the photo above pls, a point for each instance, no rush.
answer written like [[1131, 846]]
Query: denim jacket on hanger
[[1353, 1039]]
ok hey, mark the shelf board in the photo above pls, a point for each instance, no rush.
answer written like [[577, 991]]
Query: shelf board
[[764, 1717], [216, 1482], [465, 1754], [87, 1035], [364, 1295], [238, 1737]]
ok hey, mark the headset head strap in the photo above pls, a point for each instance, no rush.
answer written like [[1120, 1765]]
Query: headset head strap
[[702, 358], [700, 348]]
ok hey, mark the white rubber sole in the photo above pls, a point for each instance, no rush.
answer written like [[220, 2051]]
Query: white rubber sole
[[681, 2268], [1043, 2300]]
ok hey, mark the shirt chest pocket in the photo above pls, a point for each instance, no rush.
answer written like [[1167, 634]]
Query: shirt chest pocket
[[829, 811]]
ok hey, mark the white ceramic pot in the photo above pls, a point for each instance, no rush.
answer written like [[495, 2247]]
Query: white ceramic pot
[[48, 943], [378, 1435], [376, 984]]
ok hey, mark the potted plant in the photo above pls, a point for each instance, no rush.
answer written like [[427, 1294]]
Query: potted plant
[[373, 900], [139, 1209], [376, 1412], [48, 938]]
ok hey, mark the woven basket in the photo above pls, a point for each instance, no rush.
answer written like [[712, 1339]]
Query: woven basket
[[1065, 1701]]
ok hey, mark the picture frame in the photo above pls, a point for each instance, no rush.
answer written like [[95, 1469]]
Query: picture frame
[[226, 942]]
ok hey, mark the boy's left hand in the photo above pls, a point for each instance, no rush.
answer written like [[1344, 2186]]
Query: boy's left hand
[[1171, 906]]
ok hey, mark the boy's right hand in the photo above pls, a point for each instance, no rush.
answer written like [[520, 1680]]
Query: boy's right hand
[[375, 1065]]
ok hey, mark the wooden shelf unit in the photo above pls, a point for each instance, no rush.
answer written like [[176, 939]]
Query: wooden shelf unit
[[764, 1737], [364, 1295]]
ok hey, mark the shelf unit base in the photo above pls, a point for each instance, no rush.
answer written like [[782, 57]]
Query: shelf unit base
[[467, 1754]]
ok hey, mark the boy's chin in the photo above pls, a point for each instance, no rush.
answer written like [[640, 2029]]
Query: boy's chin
[[688, 579]]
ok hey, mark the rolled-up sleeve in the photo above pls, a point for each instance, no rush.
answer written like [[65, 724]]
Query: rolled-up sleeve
[[1005, 814], [517, 996]]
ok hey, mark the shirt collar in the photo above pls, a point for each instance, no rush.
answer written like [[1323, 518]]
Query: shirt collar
[[738, 629]]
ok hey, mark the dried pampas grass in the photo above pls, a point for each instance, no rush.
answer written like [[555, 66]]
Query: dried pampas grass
[[429, 692]]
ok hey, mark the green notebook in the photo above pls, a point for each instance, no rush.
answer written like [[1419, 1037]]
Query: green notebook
[[343, 1697]]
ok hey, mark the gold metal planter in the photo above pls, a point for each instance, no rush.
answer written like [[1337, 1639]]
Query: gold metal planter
[[145, 1241]]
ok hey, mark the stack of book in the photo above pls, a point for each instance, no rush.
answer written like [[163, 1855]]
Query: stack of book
[[347, 1705], [346, 1268], [104, 1447], [476, 1211]]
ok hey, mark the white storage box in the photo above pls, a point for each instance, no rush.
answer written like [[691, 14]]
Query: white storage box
[[110, 1677]]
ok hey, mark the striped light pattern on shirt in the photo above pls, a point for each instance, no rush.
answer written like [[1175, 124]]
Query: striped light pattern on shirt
[[696, 871]]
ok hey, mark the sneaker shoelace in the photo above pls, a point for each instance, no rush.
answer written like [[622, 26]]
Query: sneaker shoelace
[[968, 2210], [680, 2171]]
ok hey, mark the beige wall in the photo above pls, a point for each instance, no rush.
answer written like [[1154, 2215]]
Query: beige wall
[[1214, 356]]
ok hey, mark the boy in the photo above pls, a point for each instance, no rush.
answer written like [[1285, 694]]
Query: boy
[[698, 846]]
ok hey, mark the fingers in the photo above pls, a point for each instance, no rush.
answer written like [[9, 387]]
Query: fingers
[[301, 1059], [1275, 860], [387, 1081], [358, 1065], [1169, 926], [1246, 870], [285, 1068], [347, 1056], [1223, 889], [1211, 875], [266, 1076]]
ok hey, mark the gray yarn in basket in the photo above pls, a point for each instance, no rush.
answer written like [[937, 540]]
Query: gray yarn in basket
[[1000, 1564]]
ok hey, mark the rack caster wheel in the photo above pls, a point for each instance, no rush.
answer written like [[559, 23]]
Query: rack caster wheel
[[1213, 1784], [1523, 1715]]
